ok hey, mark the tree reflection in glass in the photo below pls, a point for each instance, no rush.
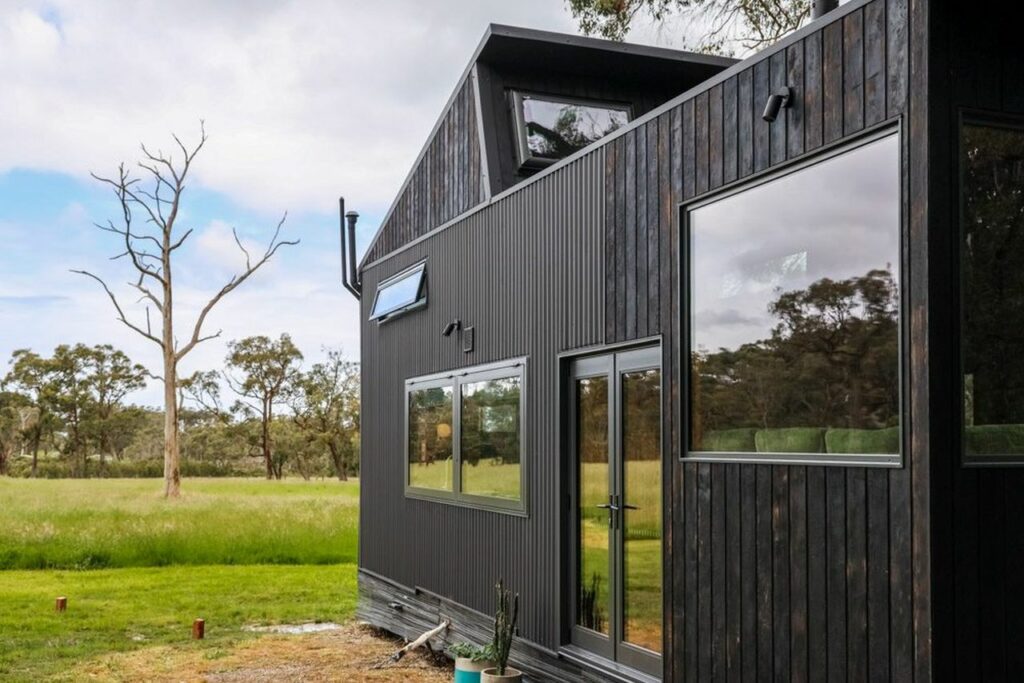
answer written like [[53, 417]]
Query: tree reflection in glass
[[555, 130], [593, 586], [490, 438], [430, 438], [795, 308], [992, 160]]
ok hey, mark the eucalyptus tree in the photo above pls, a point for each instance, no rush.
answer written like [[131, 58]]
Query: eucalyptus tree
[[263, 373], [326, 405]]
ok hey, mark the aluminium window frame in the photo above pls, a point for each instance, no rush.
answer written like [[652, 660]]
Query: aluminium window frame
[[514, 367], [421, 293], [967, 116], [851, 143], [523, 155]]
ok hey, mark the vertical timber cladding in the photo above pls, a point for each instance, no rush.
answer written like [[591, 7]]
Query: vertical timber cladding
[[981, 509], [787, 572], [527, 273], [445, 182]]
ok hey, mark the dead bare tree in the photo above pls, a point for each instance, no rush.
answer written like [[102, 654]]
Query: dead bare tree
[[150, 249]]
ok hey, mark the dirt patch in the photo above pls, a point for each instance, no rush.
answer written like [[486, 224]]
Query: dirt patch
[[349, 653]]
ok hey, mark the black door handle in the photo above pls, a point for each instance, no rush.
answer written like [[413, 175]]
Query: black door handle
[[627, 506]]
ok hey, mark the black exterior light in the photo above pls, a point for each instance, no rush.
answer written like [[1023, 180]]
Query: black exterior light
[[451, 327], [781, 98]]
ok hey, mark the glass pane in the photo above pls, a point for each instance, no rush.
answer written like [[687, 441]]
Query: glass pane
[[490, 438], [592, 599], [794, 311], [641, 531], [557, 129], [993, 281], [430, 438], [397, 294]]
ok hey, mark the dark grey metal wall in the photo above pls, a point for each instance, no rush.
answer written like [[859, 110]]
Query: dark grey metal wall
[[527, 274], [772, 572]]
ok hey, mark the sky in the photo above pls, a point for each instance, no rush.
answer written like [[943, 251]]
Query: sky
[[302, 101]]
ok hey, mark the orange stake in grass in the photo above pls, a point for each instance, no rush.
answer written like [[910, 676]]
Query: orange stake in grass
[[62, 604], [198, 629]]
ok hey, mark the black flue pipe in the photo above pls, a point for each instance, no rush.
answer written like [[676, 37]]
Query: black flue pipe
[[348, 255], [355, 281], [820, 8]]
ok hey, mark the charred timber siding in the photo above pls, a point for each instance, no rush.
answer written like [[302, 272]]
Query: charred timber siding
[[445, 182], [526, 272], [775, 572], [978, 513], [771, 572]]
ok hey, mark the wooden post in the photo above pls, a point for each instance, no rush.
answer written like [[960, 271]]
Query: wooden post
[[198, 629], [62, 604]]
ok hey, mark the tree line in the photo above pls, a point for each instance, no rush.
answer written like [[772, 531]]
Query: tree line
[[67, 414]]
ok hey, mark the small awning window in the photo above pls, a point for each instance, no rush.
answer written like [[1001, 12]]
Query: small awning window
[[403, 292]]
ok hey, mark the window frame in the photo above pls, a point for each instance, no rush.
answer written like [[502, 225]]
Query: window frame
[[989, 119], [821, 155], [525, 157], [421, 293], [455, 379]]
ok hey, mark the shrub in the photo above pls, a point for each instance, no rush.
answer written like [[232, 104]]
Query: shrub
[[863, 440], [790, 440], [739, 440]]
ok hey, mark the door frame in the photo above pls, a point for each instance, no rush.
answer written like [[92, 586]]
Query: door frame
[[601, 360]]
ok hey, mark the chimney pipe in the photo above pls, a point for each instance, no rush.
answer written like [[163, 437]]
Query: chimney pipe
[[820, 8], [348, 244]]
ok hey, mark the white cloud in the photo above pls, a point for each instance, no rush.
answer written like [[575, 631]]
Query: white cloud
[[303, 101]]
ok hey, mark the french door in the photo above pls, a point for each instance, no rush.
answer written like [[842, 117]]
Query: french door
[[615, 422]]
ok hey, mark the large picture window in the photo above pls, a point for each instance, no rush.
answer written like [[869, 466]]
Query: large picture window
[[992, 258], [794, 291], [465, 436]]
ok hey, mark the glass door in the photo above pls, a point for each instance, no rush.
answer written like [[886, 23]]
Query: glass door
[[617, 507]]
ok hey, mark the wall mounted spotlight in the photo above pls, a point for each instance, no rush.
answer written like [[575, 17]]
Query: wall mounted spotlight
[[451, 327], [781, 98]]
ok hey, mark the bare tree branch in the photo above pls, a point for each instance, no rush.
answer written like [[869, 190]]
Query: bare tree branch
[[117, 306], [233, 284]]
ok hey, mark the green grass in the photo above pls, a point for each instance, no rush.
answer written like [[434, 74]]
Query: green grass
[[233, 552], [90, 524], [112, 610]]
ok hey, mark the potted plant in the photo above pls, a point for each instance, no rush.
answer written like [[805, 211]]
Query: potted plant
[[470, 660], [505, 616]]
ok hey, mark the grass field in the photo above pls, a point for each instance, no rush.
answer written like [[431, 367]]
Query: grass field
[[137, 569]]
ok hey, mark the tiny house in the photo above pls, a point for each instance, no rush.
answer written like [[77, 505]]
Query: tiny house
[[713, 361]]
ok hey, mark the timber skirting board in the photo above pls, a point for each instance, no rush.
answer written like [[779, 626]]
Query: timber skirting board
[[409, 612]]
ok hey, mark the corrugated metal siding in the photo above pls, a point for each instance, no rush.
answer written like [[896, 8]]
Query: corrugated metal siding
[[527, 273], [445, 182]]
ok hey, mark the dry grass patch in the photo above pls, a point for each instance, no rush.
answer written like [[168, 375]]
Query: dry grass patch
[[347, 654]]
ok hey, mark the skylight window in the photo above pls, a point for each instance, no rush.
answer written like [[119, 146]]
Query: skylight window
[[551, 128], [399, 294]]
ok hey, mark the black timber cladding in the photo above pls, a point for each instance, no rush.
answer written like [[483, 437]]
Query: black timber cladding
[[771, 571], [977, 70]]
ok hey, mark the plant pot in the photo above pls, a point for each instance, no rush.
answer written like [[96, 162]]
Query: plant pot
[[491, 675], [468, 671]]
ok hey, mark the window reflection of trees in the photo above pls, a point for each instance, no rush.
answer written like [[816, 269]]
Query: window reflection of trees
[[574, 127], [831, 361], [993, 262]]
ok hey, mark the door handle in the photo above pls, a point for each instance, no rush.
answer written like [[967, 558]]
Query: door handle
[[627, 506], [608, 506]]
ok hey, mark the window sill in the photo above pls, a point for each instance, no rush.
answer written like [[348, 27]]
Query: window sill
[[825, 459], [513, 508]]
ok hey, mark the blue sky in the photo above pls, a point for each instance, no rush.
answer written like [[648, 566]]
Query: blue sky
[[303, 101]]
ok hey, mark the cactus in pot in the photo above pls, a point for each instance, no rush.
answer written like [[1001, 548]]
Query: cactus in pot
[[505, 615]]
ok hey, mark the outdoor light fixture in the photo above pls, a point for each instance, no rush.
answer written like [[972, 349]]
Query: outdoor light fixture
[[783, 97], [451, 327]]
